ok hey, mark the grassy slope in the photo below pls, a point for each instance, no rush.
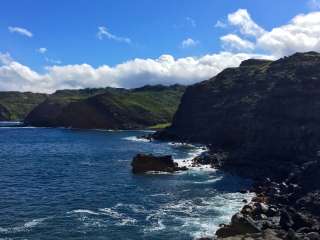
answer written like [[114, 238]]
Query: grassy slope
[[109, 107], [19, 104]]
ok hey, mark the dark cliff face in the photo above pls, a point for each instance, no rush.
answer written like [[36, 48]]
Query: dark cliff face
[[111, 109], [261, 112]]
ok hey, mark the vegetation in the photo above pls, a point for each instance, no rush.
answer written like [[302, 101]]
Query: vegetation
[[111, 108], [15, 106]]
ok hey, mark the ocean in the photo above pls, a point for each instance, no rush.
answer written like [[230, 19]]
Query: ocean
[[77, 184]]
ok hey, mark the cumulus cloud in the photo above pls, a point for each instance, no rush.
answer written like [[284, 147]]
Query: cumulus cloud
[[134, 73], [234, 42], [301, 34], [103, 32], [42, 50], [21, 31], [189, 42], [242, 19]]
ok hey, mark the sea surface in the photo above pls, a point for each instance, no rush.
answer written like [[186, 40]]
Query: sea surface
[[77, 184]]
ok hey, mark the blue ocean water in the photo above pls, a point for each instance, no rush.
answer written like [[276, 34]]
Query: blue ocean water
[[77, 184]]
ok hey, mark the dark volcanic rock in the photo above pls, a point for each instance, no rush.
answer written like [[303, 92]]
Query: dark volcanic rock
[[145, 163], [265, 116], [263, 113]]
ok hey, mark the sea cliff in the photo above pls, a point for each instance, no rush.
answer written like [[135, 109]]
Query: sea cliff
[[262, 118]]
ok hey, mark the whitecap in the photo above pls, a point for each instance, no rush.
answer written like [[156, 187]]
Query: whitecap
[[136, 139], [84, 211], [25, 227]]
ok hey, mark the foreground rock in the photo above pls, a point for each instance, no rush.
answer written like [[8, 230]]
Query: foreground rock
[[143, 163]]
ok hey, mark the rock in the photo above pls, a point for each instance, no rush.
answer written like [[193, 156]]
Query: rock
[[262, 113], [144, 163], [215, 159], [240, 224], [313, 235]]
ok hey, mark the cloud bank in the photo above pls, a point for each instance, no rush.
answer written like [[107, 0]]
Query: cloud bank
[[135, 73], [247, 38]]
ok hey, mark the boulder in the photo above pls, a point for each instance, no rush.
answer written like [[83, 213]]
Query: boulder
[[145, 163], [240, 224]]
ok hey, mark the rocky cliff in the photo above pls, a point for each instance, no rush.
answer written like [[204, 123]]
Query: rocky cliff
[[108, 108], [261, 120], [262, 113]]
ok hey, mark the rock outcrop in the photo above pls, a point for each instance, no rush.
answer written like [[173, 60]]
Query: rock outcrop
[[263, 116], [108, 108], [263, 113], [143, 163]]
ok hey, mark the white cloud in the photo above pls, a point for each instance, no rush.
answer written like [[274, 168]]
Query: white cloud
[[21, 31], [5, 58], [189, 42], [234, 42], [242, 19], [42, 50], [220, 24], [314, 4], [134, 73], [300, 35], [104, 33]]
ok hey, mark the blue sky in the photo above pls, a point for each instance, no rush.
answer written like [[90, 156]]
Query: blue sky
[[68, 31], [68, 28]]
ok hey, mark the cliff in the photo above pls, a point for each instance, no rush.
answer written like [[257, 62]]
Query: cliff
[[108, 108], [261, 113], [261, 121]]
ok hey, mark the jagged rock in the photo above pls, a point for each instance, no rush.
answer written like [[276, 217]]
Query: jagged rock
[[263, 113], [145, 163], [240, 224], [215, 159]]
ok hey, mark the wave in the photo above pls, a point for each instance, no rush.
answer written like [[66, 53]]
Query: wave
[[195, 216], [23, 228], [84, 211], [136, 139]]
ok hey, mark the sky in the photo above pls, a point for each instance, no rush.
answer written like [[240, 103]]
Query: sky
[[57, 44]]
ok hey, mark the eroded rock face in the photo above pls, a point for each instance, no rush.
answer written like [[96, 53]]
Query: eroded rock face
[[143, 163], [264, 113]]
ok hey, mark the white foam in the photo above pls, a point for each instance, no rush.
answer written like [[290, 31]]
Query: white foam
[[136, 139], [84, 211], [193, 216], [25, 227], [120, 217], [187, 162]]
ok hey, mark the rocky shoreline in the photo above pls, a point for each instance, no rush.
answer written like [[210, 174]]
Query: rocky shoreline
[[288, 209], [261, 121]]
